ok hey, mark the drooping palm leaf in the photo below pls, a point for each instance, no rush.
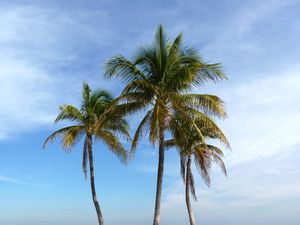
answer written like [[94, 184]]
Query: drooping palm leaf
[[63, 132]]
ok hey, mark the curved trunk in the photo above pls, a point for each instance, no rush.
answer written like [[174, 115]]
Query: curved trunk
[[160, 172], [187, 192], [96, 203]]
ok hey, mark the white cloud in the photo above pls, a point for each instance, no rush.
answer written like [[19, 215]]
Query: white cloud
[[35, 45], [256, 190], [264, 115], [239, 35], [22, 182], [252, 14], [25, 97]]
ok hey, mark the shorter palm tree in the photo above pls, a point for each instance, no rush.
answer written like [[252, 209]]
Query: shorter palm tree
[[191, 147], [92, 120]]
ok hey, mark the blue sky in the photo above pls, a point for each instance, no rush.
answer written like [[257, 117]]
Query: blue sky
[[48, 48]]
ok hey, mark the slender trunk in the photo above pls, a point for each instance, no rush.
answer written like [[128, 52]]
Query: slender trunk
[[187, 192], [160, 172], [97, 207]]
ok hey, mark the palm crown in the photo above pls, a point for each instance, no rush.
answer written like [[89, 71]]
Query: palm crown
[[189, 146], [92, 120], [158, 79], [186, 140]]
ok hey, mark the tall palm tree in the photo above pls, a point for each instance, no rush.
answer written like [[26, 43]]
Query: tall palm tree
[[158, 80], [190, 147], [92, 121]]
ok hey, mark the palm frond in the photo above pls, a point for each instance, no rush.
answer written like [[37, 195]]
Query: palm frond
[[119, 126], [119, 66], [69, 112], [140, 86], [203, 163], [208, 72], [85, 157], [217, 155], [60, 132], [129, 108], [86, 93], [209, 104], [183, 162], [72, 137], [139, 131], [113, 144], [169, 144], [99, 100], [161, 50], [206, 125], [154, 123], [192, 184]]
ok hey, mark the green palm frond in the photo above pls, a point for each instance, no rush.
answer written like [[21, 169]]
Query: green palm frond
[[121, 67], [187, 116], [217, 155], [192, 184], [62, 133], [119, 126], [99, 100], [69, 112], [170, 144], [72, 137], [139, 131], [140, 86], [178, 130], [161, 43], [172, 61], [210, 129], [86, 93], [208, 72], [209, 104], [213, 71], [129, 108], [203, 163], [154, 122], [183, 164], [113, 144], [203, 124], [85, 157]]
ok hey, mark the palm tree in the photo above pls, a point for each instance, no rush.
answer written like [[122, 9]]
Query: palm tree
[[158, 80], [91, 120], [190, 147]]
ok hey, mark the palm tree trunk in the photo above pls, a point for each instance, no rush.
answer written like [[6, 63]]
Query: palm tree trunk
[[160, 172], [187, 192], [96, 203]]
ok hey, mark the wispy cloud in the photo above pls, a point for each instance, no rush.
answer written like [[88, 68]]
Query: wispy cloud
[[264, 115], [24, 97], [22, 182], [251, 190], [34, 51]]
